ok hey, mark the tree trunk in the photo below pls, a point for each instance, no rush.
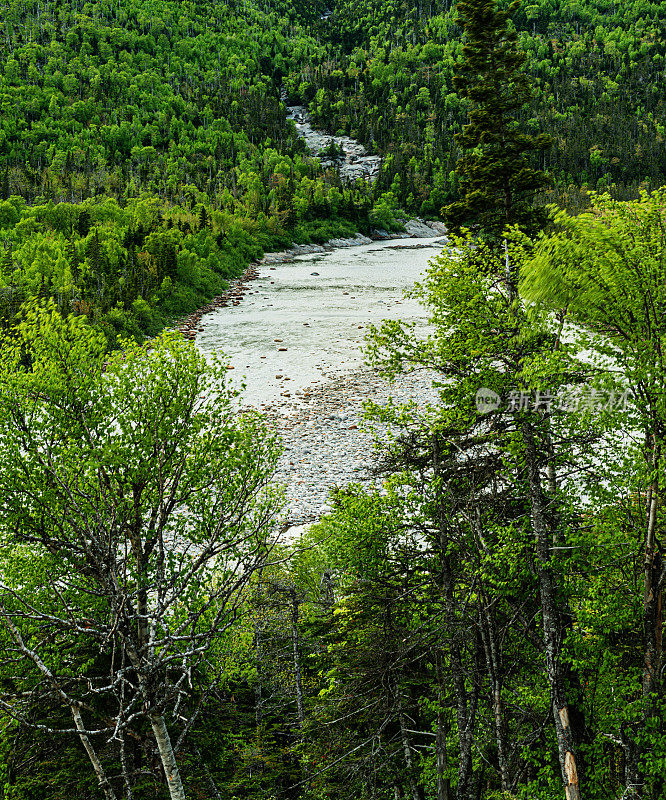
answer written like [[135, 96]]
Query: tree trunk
[[92, 755], [297, 661], [552, 624], [124, 766], [652, 600], [495, 680], [408, 758], [493, 654], [212, 786], [466, 701], [652, 687], [258, 688], [440, 747], [168, 757]]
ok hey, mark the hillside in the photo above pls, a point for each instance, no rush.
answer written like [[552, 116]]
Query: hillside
[[145, 155], [149, 158], [597, 71]]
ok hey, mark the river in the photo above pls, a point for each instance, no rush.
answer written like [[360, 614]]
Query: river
[[296, 341]]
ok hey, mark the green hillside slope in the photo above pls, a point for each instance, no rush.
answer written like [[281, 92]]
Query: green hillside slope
[[146, 157], [597, 70]]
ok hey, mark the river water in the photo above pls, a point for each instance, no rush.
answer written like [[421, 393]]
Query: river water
[[356, 162], [302, 323]]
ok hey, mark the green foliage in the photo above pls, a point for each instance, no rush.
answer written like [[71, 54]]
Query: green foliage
[[135, 504], [160, 133], [391, 85], [497, 183]]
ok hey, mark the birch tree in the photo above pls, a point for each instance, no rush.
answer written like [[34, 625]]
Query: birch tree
[[134, 507]]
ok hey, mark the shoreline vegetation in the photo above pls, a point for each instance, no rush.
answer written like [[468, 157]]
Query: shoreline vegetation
[[134, 268]]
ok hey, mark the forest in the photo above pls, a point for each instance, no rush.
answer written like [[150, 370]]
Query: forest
[[175, 108], [487, 623]]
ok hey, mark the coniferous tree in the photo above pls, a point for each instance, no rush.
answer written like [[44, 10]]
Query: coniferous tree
[[73, 259], [7, 266], [83, 224], [203, 218], [169, 261], [497, 177]]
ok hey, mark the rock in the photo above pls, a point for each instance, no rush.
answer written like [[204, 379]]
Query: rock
[[424, 229]]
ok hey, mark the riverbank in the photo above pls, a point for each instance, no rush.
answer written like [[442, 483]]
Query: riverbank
[[414, 229], [190, 325]]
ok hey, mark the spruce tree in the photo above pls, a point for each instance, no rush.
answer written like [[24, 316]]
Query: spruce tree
[[203, 218], [72, 259], [83, 223], [498, 178], [7, 266], [168, 261], [4, 191]]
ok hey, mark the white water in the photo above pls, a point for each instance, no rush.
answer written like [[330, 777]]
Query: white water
[[317, 317]]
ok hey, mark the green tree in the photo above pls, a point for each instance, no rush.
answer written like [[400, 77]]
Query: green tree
[[497, 178], [505, 463], [131, 490], [607, 268], [83, 223]]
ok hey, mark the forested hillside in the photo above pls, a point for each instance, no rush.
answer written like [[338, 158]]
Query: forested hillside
[[173, 110], [597, 69], [147, 141]]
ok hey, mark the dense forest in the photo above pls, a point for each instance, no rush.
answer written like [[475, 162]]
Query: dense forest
[[147, 142], [488, 624], [597, 69], [174, 111]]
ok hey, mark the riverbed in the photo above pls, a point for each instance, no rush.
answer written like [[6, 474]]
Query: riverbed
[[295, 340], [354, 161]]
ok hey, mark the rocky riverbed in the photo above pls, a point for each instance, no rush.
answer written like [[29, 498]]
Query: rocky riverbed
[[414, 229], [295, 341], [191, 325], [354, 161], [328, 443]]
